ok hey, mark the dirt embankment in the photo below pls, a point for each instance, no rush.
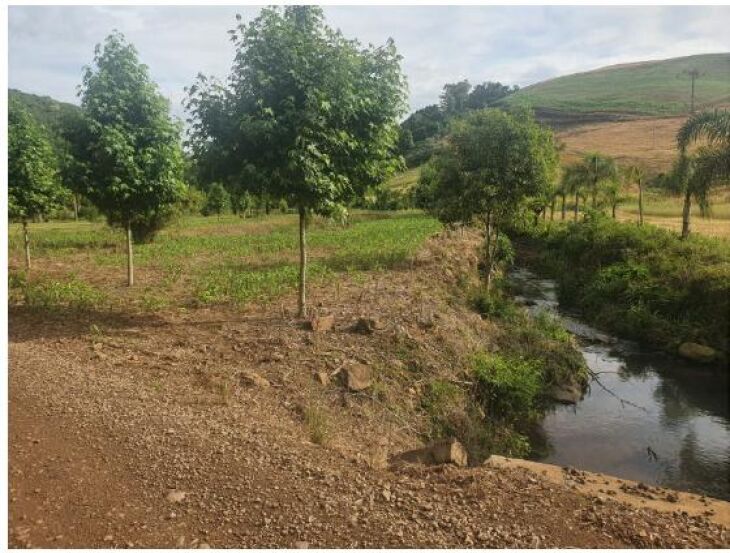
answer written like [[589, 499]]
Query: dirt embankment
[[196, 428]]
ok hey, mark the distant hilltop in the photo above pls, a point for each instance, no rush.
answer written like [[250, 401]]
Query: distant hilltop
[[648, 88]]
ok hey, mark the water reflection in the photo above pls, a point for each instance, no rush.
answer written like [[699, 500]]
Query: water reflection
[[654, 418]]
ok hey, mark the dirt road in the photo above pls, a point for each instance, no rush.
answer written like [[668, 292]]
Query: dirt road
[[146, 430]]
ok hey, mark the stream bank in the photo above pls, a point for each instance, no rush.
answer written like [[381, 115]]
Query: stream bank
[[647, 415]]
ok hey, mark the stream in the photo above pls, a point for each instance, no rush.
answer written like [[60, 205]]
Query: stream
[[653, 418]]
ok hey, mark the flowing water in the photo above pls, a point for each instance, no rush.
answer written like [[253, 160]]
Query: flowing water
[[651, 417]]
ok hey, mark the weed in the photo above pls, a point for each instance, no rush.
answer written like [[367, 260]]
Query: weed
[[318, 424]]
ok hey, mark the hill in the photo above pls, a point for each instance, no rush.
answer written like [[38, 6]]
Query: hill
[[644, 88], [50, 113]]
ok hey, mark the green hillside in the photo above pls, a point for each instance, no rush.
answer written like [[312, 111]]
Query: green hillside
[[645, 88], [50, 113]]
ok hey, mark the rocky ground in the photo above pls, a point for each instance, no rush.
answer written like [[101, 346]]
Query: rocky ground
[[227, 428]]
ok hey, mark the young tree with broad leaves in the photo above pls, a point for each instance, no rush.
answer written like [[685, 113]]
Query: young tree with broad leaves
[[307, 115], [637, 174], [134, 152], [34, 187], [492, 165]]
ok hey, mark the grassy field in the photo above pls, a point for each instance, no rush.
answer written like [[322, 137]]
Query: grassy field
[[647, 88], [203, 260], [649, 142]]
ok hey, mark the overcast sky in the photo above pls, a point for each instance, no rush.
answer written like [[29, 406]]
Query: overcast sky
[[48, 45]]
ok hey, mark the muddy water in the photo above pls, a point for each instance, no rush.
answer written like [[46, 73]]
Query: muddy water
[[652, 418]]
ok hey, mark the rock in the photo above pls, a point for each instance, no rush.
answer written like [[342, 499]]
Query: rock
[[322, 323], [322, 377], [250, 378], [438, 453], [697, 352], [570, 394], [108, 537], [175, 496], [301, 545], [366, 325], [358, 377], [204, 546]]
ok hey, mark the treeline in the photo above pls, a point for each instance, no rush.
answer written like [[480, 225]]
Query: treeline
[[421, 131]]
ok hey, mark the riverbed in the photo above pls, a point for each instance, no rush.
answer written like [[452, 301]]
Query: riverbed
[[647, 416]]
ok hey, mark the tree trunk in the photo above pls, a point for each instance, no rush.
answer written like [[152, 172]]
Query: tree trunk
[[686, 211], [76, 207], [26, 241], [641, 204], [552, 209], [130, 256], [562, 208], [488, 276], [302, 262], [613, 211], [575, 209]]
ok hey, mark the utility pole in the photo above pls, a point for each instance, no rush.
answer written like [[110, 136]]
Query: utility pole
[[694, 74]]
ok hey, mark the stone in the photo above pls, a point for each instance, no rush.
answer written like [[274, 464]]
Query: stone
[[438, 453], [358, 377], [175, 496], [322, 377], [365, 325], [301, 545], [322, 323], [697, 352], [250, 378]]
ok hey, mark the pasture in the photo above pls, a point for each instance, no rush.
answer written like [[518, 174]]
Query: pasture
[[203, 261]]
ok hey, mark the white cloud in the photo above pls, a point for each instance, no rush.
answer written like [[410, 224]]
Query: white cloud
[[49, 45]]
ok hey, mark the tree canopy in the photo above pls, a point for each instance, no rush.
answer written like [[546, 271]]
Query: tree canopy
[[306, 115], [33, 184], [492, 162], [134, 147]]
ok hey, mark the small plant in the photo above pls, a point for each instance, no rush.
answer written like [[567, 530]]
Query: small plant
[[508, 387], [318, 425]]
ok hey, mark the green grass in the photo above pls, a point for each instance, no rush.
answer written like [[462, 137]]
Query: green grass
[[406, 181], [650, 88], [642, 282], [218, 260]]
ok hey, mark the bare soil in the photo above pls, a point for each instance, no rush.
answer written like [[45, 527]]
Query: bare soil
[[111, 412]]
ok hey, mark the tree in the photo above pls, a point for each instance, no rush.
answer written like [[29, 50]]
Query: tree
[[709, 166], [33, 185], [486, 94], [573, 184], [637, 174], [134, 149], [454, 98], [312, 115], [612, 189], [217, 201], [492, 165], [596, 169]]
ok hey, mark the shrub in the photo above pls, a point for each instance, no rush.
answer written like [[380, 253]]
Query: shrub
[[508, 387]]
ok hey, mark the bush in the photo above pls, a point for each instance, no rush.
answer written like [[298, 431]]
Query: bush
[[642, 282], [508, 387]]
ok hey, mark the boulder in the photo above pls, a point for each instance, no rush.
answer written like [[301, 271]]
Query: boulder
[[322, 323], [438, 453], [250, 378], [358, 377], [365, 325], [697, 352]]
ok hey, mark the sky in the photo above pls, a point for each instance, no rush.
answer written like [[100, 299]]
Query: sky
[[49, 45]]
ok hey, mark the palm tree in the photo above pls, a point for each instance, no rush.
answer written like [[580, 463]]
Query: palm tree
[[709, 165], [572, 183], [637, 174], [596, 169]]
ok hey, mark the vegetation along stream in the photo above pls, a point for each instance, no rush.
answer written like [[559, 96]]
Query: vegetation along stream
[[646, 415]]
